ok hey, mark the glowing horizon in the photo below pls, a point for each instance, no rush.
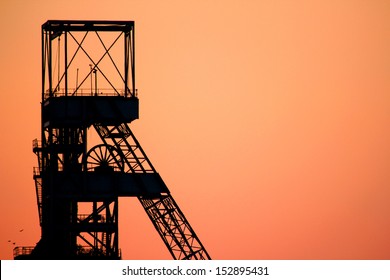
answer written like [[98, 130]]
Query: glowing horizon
[[268, 121]]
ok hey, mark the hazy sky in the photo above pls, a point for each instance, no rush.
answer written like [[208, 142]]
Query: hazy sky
[[268, 120]]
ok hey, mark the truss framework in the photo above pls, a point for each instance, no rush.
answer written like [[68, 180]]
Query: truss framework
[[77, 187], [163, 211], [58, 72]]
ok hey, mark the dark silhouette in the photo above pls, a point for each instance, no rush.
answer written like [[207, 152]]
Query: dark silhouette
[[78, 186]]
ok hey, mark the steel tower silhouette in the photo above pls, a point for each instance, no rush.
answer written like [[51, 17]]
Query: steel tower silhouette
[[88, 84]]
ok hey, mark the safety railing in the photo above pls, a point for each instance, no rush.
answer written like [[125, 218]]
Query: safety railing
[[89, 92], [36, 144], [81, 251], [36, 171], [22, 251], [91, 251], [91, 218]]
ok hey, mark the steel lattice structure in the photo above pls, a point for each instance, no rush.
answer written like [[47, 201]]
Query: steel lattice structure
[[88, 82]]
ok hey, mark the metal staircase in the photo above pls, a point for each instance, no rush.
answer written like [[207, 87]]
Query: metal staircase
[[163, 211], [37, 149]]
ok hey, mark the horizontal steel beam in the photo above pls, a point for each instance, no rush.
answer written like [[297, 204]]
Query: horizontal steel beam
[[87, 25], [98, 186]]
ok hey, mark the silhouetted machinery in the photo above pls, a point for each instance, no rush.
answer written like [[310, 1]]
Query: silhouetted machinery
[[77, 184]]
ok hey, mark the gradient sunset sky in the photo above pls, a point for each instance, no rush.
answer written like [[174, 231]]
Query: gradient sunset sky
[[268, 121]]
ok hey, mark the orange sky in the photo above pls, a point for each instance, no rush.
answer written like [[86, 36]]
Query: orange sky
[[268, 120]]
